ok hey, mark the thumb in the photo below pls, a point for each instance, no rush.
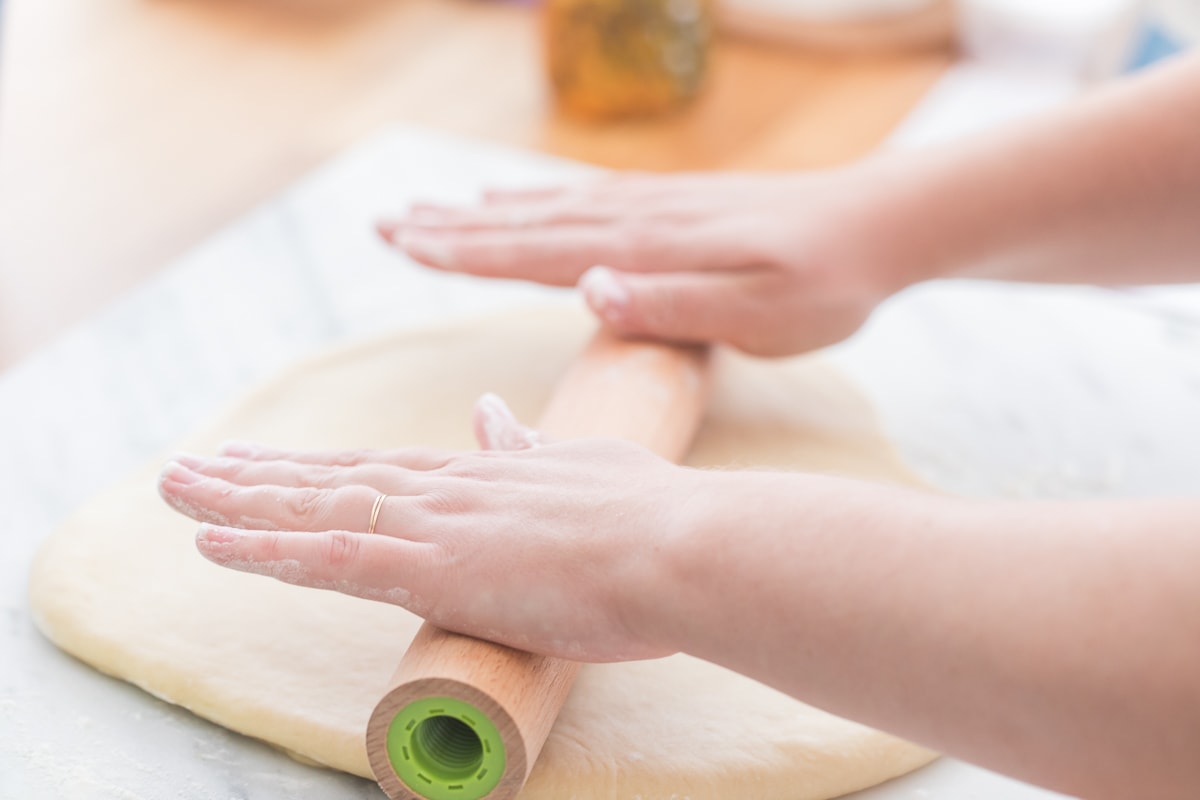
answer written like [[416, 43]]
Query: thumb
[[676, 306], [496, 428]]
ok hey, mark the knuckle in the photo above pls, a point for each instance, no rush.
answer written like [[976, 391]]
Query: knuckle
[[659, 308], [422, 457], [351, 458], [231, 467], [464, 466], [271, 546], [484, 253], [754, 245], [341, 549], [443, 501], [308, 505], [642, 240]]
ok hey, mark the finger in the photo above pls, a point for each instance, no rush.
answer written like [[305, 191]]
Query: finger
[[557, 210], [389, 230], [687, 201], [497, 428], [621, 191], [385, 478], [682, 307], [414, 458], [654, 192], [534, 195], [609, 198], [551, 255], [561, 206], [282, 508], [559, 255], [373, 567]]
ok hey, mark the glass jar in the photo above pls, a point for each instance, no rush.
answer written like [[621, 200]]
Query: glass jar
[[621, 58]]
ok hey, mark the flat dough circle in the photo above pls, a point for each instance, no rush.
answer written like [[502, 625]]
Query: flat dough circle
[[121, 586]]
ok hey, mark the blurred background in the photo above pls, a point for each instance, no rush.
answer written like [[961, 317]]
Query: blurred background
[[131, 129]]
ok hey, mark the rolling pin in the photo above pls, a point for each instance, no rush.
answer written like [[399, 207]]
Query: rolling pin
[[465, 719]]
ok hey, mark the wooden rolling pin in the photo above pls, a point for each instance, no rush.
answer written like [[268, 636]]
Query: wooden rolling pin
[[465, 719]]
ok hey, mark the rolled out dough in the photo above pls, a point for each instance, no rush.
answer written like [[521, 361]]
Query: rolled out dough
[[121, 587]]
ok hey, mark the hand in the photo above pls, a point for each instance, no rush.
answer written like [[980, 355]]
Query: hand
[[548, 548], [772, 264]]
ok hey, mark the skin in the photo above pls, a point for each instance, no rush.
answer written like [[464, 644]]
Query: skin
[[1056, 642], [1107, 192]]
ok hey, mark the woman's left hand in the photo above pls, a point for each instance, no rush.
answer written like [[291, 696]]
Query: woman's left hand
[[547, 548]]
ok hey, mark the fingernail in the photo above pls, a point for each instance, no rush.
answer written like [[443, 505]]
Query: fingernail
[[494, 404], [604, 293], [501, 429], [426, 248], [388, 230], [178, 473], [238, 449], [209, 535], [218, 545]]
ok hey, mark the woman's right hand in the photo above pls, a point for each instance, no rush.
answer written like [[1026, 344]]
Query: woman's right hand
[[771, 264]]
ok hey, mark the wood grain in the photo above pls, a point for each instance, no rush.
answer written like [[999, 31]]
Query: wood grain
[[930, 25], [131, 129], [652, 394]]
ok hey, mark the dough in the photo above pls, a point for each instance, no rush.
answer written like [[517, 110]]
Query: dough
[[121, 586]]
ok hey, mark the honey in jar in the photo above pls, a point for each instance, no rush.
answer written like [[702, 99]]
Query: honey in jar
[[623, 58]]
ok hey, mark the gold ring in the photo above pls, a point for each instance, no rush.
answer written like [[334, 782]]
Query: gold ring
[[375, 512]]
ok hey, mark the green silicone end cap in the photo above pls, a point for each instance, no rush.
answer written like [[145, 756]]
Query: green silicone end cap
[[445, 749]]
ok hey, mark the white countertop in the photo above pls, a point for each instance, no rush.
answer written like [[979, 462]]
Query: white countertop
[[988, 390]]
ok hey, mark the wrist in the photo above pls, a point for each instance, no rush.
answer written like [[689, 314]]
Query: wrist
[[703, 569], [655, 602], [897, 231]]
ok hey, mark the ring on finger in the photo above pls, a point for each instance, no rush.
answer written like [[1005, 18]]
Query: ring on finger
[[375, 512]]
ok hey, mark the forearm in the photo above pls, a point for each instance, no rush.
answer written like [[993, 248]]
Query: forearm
[[1106, 191], [1059, 643]]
